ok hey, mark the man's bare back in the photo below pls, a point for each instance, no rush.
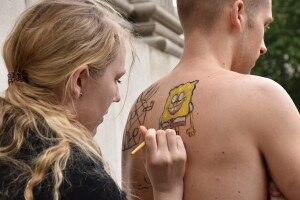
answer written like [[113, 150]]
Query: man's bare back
[[238, 129], [224, 159]]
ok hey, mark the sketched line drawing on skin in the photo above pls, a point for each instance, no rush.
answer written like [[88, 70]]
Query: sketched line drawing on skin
[[178, 107], [138, 115]]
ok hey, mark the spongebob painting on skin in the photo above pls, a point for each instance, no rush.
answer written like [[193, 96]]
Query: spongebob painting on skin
[[178, 107]]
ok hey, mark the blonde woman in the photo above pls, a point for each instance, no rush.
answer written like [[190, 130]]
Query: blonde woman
[[64, 59]]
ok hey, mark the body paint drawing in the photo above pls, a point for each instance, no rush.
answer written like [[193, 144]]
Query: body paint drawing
[[178, 107], [137, 116]]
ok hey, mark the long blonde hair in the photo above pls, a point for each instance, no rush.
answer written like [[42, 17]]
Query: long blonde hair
[[48, 44]]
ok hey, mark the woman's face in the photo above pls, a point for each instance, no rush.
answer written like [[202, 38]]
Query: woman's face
[[100, 92]]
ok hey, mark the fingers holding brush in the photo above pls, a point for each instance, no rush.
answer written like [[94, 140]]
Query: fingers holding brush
[[164, 160]]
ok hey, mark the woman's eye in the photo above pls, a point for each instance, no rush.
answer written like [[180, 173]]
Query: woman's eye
[[119, 81]]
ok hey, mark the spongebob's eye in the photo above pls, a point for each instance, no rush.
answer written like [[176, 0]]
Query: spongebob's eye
[[174, 99], [181, 96]]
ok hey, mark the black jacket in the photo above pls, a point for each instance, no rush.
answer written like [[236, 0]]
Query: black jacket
[[83, 179]]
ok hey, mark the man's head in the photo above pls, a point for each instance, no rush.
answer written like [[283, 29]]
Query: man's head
[[238, 24], [203, 14]]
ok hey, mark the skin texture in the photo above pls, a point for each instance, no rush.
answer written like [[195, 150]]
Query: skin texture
[[247, 128]]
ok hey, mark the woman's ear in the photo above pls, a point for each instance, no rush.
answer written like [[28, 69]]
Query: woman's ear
[[237, 15], [79, 80]]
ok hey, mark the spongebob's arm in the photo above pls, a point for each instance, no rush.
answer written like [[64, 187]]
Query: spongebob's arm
[[191, 131]]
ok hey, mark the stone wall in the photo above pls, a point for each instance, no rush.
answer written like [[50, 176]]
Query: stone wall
[[151, 65]]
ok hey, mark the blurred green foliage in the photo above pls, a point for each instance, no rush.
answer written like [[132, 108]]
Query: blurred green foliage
[[282, 62]]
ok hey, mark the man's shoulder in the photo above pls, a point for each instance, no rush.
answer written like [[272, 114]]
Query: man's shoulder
[[261, 99], [234, 90], [255, 87], [229, 85], [265, 88], [248, 95]]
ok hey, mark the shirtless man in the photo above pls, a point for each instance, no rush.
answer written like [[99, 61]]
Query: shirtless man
[[238, 129]]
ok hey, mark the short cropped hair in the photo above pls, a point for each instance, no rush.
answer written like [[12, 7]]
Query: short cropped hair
[[205, 13]]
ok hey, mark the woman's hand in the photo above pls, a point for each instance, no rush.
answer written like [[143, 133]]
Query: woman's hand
[[164, 159]]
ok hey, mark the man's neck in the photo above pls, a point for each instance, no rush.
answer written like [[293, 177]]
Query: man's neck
[[213, 51]]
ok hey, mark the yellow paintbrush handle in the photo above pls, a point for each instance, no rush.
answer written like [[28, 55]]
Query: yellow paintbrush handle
[[138, 148]]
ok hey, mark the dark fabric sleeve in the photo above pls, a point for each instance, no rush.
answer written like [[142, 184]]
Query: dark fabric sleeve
[[83, 181], [88, 187]]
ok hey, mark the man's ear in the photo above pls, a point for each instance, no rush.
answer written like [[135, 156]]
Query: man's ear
[[237, 15], [79, 80]]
